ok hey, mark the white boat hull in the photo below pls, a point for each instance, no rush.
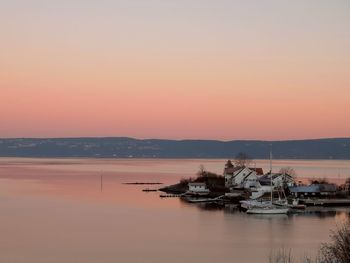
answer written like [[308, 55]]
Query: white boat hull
[[268, 211], [253, 203]]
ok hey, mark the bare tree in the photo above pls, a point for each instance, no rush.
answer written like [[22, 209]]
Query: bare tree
[[289, 171], [281, 256], [285, 256], [229, 164], [201, 171], [242, 160], [339, 249]]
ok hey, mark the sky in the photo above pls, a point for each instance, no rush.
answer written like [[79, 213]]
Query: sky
[[175, 69]]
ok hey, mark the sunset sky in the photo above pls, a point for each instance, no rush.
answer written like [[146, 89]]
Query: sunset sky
[[177, 69]]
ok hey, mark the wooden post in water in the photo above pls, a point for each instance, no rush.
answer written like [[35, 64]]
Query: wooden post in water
[[101, 183]]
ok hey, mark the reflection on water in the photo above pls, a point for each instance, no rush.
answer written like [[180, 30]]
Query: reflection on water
[[210, 206], [53, 210], [319, 212]]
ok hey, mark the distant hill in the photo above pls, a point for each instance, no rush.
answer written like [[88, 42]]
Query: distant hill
[[122, 147]]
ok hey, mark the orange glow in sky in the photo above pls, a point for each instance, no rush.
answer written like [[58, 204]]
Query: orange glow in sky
[[175, 69]]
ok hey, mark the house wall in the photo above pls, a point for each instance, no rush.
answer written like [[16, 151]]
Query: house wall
[[239, 178], [278, 181], [196, 188], [228, 180], [251, 181]]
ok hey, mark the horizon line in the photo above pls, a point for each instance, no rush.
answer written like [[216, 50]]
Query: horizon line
[[167, 139]]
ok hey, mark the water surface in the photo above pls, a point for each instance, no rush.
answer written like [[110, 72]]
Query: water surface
[[54, 210]]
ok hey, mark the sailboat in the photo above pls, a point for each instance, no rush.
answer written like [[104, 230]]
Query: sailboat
[[247, 204], [268, 209], [282, 201]]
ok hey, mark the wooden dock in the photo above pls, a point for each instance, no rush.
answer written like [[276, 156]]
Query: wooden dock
[[143, 183], [204, 200], [149, 190], [326, 202], [169, 195]]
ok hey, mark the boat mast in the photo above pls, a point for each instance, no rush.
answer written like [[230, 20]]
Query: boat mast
[[271, 170]]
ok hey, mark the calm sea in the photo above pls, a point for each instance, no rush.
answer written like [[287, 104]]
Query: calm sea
[[56, 210]]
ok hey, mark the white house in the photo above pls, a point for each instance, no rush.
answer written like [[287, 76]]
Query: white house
[[278, 179], [197, 189], [229, 173], [241, 177]]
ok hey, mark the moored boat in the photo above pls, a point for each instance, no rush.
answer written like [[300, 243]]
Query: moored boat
[[294, 205], [247, 204], [204, 200], [268, 210]]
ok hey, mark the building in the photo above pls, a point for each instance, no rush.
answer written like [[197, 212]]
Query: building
[[229, 173], [197, 189], [278, 180], [314, 190], [241, 177]]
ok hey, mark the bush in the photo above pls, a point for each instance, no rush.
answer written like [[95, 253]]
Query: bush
[[319, 181], [185, 181], [338, 251], [281, 256]]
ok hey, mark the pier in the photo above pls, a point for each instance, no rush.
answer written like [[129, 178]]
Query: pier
[[326, 202]]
